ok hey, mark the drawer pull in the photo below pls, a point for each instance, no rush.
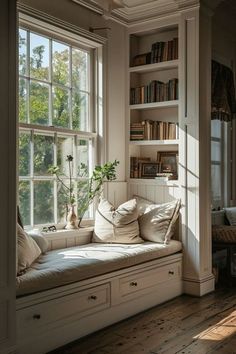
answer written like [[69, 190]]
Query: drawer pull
[[133, 283], [92, 297], [171, 272], [36, 316]]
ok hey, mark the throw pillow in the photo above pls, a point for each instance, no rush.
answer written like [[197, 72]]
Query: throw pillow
[[158, 221], [28, 250], [41, 241], [116, 225], [231, 215]]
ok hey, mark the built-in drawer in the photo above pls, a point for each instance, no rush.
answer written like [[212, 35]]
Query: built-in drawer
[[145, 280], [67, 308]]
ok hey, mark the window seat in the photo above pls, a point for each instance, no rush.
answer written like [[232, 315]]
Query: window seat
[[65, 266]]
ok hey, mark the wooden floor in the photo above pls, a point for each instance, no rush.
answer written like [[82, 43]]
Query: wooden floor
[[185, 325]]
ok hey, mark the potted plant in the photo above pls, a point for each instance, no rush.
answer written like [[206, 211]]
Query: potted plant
[[88, 188]]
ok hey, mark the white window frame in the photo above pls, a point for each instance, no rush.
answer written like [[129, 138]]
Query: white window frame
[[58, 30], [226, 166]]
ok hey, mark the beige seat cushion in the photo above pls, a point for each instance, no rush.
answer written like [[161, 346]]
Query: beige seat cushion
[[28, 250], [69, 265], [116, 225], [157, 221]]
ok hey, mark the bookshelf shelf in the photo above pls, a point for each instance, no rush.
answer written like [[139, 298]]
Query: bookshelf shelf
[[165, 65], [153, 181], [154, 105], [155, 142]]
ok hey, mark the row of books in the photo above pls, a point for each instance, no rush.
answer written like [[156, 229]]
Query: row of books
[[136, 166], [153, 130], [155, 91], [160, 51]]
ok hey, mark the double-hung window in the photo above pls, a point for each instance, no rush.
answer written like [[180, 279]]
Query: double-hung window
[[57, 115]]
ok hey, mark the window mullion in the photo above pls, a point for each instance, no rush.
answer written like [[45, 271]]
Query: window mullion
[[70, 91], [55, 181], [31, 177], [50, 84]]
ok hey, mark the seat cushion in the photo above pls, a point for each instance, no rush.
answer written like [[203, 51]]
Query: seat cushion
[[116, 225], [224, 233], [65, 266]]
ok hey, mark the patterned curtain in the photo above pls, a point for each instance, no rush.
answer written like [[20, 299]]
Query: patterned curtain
[[223, 101]]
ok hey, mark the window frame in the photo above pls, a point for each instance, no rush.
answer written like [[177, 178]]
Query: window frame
[[78, 38]]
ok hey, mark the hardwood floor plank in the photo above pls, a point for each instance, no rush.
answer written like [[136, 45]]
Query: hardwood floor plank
[[185, 325]]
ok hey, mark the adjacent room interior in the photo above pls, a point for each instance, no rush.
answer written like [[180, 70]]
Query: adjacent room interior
[[118, 184]]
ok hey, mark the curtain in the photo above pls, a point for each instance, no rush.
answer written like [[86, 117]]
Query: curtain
[[223, 102]]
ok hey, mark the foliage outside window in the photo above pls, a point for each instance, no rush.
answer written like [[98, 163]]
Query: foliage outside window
[[55, 121]]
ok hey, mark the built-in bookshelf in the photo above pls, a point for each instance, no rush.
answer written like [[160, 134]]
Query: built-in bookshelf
[[153, 104]]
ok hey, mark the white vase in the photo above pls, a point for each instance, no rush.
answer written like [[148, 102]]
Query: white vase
[[72, 221]]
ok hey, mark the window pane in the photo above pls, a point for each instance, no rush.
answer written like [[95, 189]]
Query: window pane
[[43, 154], [216, 128], [43, 202], [60, 107], [24, 154], [216, 181], [39, 103], [39, 57], [24, 201], [60, 63], [22, 51], [215, 151], [22, 101], [64, 148], [80, 75], [83, 158], [62, 201], [82, 201], [80, 110]]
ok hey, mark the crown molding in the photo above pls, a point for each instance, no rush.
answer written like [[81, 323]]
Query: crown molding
[[148, 11], [29, 12]]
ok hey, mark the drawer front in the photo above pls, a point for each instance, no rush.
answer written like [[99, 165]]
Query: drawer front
[[147, 279], [65, 308]]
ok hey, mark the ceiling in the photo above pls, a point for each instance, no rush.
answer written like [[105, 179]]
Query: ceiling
[[134, 11]]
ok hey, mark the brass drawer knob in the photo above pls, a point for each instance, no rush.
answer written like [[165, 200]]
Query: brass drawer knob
[[37, 316], [133, 283], [171, 272], [92, 297]]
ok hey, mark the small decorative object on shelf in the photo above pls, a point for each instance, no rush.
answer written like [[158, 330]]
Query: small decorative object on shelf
[[168, 161], [88, 188]]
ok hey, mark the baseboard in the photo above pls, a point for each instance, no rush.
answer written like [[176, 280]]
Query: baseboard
[[199, 287]]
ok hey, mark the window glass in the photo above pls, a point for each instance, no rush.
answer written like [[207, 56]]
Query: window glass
[[39, 57], [60, 63], [39, 103], [43, 202], [24, 154], [54, 105], [43, 155]]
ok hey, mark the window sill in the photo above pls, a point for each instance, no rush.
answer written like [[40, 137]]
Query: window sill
[[68, 238]]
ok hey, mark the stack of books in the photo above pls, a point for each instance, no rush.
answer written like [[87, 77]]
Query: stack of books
[[155, 91], [163, 51], [153, 130]]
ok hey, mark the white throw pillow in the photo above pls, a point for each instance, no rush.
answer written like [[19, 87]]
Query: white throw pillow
[[28, 250], [231, 215], [41, 241], [157, 221], [116, 225]]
